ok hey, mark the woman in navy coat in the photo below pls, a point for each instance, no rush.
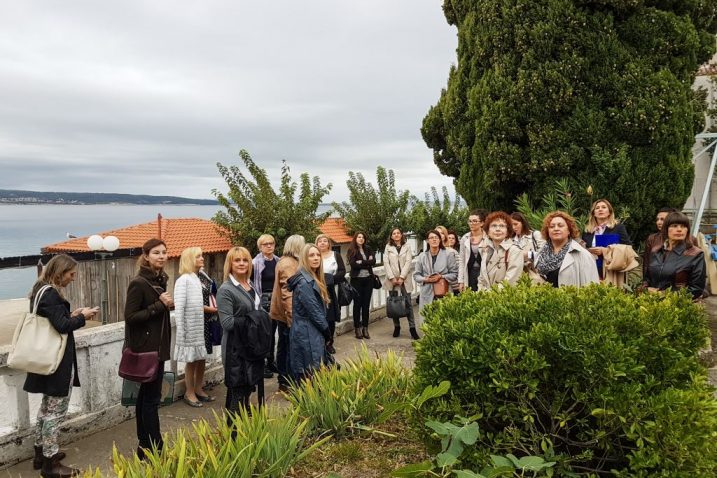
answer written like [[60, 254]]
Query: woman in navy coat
[[309, 328]]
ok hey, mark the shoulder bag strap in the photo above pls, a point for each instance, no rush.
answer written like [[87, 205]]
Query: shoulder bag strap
[[38, 296], [161, 333]]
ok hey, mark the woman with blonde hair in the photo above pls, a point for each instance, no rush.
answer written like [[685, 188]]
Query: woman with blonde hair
[[235, 300], [57, 387], [189, 346], [281, 303], [309, 330], [334, 273], [263, 270], [445, 239]]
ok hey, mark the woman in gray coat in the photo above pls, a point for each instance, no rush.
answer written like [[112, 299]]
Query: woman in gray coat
[[235, 300], [433, 265], [309, 328]]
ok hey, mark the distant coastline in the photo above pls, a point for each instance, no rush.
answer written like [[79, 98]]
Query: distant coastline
[[13, 196]]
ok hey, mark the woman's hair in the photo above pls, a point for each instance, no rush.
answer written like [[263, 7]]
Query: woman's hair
[[188, 260], [146, 247], [318, 275], [293, 246], [354, 247], [496, 215], [481, 213], [263, 238], [324, 236], [524, 226], [677, 218], [444, 233], [389, 242], [53, 272], [592, 222], [453, 233], [569, 220], [237, 252], [437, 233]]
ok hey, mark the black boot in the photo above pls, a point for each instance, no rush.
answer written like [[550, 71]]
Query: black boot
[[37, 461], [396, 330], [358, 333], [414, 333], [365, 333], [52, 468]]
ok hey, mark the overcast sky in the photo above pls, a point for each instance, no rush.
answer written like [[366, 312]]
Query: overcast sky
[[144, 97]]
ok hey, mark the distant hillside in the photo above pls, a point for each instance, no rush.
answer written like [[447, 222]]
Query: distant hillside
[[12, 196]]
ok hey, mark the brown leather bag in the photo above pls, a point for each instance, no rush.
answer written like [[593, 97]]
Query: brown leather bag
[[440, 288]]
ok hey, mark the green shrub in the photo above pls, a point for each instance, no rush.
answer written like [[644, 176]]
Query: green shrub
[[364, 391], [596, 378], [268, 442]]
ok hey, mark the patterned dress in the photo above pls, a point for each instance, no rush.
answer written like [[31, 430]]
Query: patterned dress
[[209, 290]]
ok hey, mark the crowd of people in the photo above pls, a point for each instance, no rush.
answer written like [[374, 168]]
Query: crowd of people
[[299, 292]]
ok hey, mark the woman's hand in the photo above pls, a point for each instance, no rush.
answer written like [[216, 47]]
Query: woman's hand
[[598, 251], [210, 310], [395, 281], [166, 300], [87, 312]]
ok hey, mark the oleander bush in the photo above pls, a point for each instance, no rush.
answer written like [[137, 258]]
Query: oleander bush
[[599, 381], [363, 392]]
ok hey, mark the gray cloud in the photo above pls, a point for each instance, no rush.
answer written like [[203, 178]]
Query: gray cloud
[[145, 97]]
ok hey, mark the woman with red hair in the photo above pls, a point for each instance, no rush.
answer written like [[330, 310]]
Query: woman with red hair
[[562, 260], [502, 259]]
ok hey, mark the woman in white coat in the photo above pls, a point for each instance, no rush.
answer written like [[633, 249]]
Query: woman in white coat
[[502, 259], [470, 251], [398, 262], [433, 265], [562, 260], [189, 346]]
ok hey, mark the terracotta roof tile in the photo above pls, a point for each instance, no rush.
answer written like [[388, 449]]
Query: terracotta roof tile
[[335, 228], [177, 233]]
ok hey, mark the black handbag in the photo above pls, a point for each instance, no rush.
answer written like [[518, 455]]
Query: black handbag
[[376, 282], [397, 305], [347, 293]]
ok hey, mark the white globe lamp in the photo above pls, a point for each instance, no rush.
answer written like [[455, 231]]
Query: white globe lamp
[[94, 242], [110, 243]]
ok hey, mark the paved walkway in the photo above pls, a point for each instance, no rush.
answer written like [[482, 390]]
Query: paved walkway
[[96, 450]]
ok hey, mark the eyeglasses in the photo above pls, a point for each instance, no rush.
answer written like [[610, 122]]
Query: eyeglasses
[[498, 226], [474, 221], [267, 244]]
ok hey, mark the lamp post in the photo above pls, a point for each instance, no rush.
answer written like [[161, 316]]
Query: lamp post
[[103, 248]]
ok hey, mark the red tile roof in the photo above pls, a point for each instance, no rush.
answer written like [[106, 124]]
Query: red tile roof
[[177, 233], [335, 228]]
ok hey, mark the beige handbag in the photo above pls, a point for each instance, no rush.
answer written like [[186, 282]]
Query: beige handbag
[[37, 347]]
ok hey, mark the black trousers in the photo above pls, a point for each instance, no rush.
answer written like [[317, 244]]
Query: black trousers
[[147, 411], [266, 305], [282, 352], [362, 303]]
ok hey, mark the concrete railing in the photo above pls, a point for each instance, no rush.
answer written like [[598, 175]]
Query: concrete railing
[[96, 404]]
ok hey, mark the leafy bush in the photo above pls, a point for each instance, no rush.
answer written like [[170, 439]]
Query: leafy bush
[[364, 391], [592, 378], [268, 442]]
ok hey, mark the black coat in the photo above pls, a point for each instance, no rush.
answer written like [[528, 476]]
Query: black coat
[[55, 308], [355, 256], [144, 314], [333, 310], [619, 229], [678, 268]]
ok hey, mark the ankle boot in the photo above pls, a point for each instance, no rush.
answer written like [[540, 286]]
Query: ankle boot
[[414, 333], [37, 461], [52, 468], [358, 333], [365, 333], [396, 330]]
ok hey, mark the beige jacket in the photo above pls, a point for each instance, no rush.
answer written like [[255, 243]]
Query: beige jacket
[[398, 265], [578, 267], [281, 296], [618, 260], [504, 262]]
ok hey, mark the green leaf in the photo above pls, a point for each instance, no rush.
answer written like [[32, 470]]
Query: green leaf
[[414, 470]]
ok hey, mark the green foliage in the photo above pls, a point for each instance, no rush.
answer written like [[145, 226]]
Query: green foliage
[[365, 391], [595, 90], [592, 378], [457, 438], [253, 207], [374, 211], [435, 211], [267, 444]]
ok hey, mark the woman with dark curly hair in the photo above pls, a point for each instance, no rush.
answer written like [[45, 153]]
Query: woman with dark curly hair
[[562, 260]]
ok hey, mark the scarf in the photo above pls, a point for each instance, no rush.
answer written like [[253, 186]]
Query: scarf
[[549, 261]]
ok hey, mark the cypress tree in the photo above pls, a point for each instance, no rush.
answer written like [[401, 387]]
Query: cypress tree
[[598, 91]]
